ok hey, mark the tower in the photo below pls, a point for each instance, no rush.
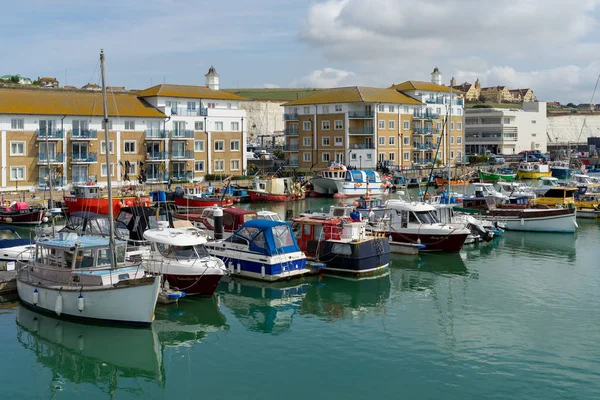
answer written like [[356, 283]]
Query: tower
[[453, 82], [212, 79], [477, 84], [436, 76]]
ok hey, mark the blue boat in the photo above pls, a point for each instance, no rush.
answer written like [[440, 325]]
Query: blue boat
[[261, 249], [561, 170]]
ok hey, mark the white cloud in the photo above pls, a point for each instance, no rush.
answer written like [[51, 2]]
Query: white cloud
[[325, 78]]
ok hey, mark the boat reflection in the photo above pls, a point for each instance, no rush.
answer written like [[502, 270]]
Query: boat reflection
[[95, 354], [263, 306], [421, 273], [539, 245], [335, 297]]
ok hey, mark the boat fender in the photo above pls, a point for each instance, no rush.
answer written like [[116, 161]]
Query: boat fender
[[45, 219], [80, 303], [576, 226], [36, 297], [230, 267], [59, 304], [239, 267], [8, 220], [522, 222], [262, 271]]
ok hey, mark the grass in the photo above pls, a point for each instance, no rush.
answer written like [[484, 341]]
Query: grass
[[496, 105], [276, 94]]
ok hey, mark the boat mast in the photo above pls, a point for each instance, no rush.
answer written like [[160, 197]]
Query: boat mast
[[449, 129], [50, 201], [111, 223]]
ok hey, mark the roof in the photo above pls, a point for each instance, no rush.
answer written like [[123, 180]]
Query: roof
[[188, 91], [464, 87], [355, 94], [81, 242], [65, 102], [176, 237], [212, 71], [273, 94], [494, 87], [419, 85]]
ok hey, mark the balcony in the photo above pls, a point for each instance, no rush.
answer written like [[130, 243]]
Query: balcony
[[156, 134], [183, 176], [78, 179], [367, 130], [422, 161], [56, 182], [290, 147], [157, 156], [189, 112], [291, 132], [182, 155], [84, 158], [361, 114], [426, 131], [439, 100], [84, 134], [55, 134], [426, 115], [43, 158], [290, 117], [423, 146], [362, 146], [182, 134], [157, 177]]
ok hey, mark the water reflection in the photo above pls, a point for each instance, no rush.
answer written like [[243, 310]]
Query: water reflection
[[421, 273], [538, 245], [260, 306]]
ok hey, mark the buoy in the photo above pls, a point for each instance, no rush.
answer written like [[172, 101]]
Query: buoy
[[262, 271], [36, 297], [80, 303], [58, 305], [8, 220], [45, 219]]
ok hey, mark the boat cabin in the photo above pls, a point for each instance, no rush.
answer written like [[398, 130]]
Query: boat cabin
[[268, 215], [233, 218], [273, 185], [486, 189], [479, 203], [533, 167], [309, 232], [337, 174], [87, 192], [560, 193], [549, 181], [269, 238], [178, 244]]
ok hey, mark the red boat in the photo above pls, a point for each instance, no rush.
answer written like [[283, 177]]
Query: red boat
[[20, 213], [194, 197], [275, 189], [87, 198]]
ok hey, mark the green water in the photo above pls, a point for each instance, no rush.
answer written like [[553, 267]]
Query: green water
[[517, 318]]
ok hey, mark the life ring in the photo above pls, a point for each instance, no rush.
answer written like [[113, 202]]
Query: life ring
[[357, 185]]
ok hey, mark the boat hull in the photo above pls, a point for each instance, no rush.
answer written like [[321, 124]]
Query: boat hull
[[324, 186], [552, 221], [366, 257], [352, 189], [101, 206], [182, 201], [490, 177], [561, 173], [195, 285], [532, 174], [264, 196], [434, 243], [26, 217]]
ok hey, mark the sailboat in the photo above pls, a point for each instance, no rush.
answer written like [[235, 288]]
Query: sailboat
[[86, 277]]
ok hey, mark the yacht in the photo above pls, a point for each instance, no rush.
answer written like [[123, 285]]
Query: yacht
[[339, 182]]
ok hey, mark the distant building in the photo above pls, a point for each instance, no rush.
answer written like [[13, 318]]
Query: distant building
[[585, 107], [496, 94], [517, 97], [115, 88], [527, 95], [48, 82], [71, 87], [91, 86], [22, 79], [554, 104]]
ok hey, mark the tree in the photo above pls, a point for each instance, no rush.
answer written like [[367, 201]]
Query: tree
[[571, 105], [14, 79], [481, 98]]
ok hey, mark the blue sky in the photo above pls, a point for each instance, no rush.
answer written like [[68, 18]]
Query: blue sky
[[548, 45]]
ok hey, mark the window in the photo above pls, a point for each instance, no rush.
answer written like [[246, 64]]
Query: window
[[339, 141], [451, 155], [451, 139], [533, 135], [219, 165], [129, 125], [353, 157], [451, 126], [392, 157], [17, 173], [130, 169], [218, 125], [325, 125], [325, 157], [406, 125], [338, 125], [382, 140], [406, 110], [198, 146], [234, 145], [103, 170], [306, 157], [392, 140], [129, 147], [219, 145], [369, 156], [407, 140], [406, 156], [234, 165], [459, 139], [438, 110], [325, 109], [191, 105], [17, 148], [459, 126], [235, 126], [338, 107], [306, 142], [306, 110], [111, 147], [438, 126], [306, 125], [533, 121], [381, 108], [199, 125], [391, 125], [198, 166], [392, 109], [381, 157], [507, 120], [325, 141], [17, 123], [381, 124]]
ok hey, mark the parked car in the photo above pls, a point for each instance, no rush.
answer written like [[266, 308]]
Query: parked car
[[529, 158]]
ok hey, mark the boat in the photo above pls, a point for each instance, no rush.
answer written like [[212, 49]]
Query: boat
[[366, 205], [416, 222], [557, 196], [546, 183], [480, 231], [561, 170], [233, 219], [197, 197], [180, 256], [494, 177], [20, 213], [341, 183], [532, 170], [582, 180], [488, 190], [89, 198], [275, 189], [13, 247], [516, 189], [440, 181], [268, 215], [263, 250], [344, 247]]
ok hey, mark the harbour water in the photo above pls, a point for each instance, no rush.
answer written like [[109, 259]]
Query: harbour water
[[516, 318]]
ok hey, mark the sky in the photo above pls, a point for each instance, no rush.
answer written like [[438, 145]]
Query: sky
[[551, 46]]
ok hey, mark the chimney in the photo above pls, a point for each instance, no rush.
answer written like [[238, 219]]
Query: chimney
[[436, 76], [453, 82], [212, 79]]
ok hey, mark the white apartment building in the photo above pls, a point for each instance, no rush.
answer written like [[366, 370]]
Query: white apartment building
[[506, 131]]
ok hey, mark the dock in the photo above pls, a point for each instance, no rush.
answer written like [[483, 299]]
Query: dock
[[8, 282]]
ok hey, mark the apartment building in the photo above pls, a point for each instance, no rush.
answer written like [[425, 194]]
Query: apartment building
[[506, 131], [363, 126]]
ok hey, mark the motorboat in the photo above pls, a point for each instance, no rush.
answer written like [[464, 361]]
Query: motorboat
[[516, 189], [20, 213], [233, 219], [89, 198], [263, 250], [480, 231], [87, 278], [493, 177], [558, 196], [275, 189], [268, 215], [13, 247], [546, 183], [488, 190], [582, 180], [532, 170], [341, 183], [561, 169], [200, 197], [180, 256]]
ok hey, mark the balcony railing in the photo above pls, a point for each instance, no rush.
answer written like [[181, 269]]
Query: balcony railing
[[362, 146], [367, 130], [291, 132], [50, 134], [183, 176], [44, 182], [361, 114], [158, 177], [435, 101], [82, 179], [157, 155], [422, 161], [290, 117], [182, 155], [182, 134], [53, 158], [426, 115], [156, 134], [290, 147], [84, 133], [84, 158], [191, 112]]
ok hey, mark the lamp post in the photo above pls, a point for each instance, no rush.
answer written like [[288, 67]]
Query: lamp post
[[360, 162]]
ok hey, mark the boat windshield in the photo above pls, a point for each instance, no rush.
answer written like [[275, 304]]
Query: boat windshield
[[423, 217], [7, 234], [182, 252]]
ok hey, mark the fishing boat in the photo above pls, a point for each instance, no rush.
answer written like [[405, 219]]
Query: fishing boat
[[439, 181], [180, 256], [13, 247], [558, 196], [365, 206], [197, 197], [89, 198], [546, 183], [561, 170], [344, 247], [493, 177], [532, 170], [415, 222], [263, 250], [341, 183], [20, 213], [275, 189]]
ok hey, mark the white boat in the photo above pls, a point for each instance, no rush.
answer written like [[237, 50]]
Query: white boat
[[481, 231], [547, 183], [405, 248], [588, 213], [76, 278], [488, 190], [581, 180], [516, 189], [12, 246], [180, 255], [339, 182], [268, 215]]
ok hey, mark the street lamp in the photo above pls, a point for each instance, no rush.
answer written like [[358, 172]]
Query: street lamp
[[360, 162]]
